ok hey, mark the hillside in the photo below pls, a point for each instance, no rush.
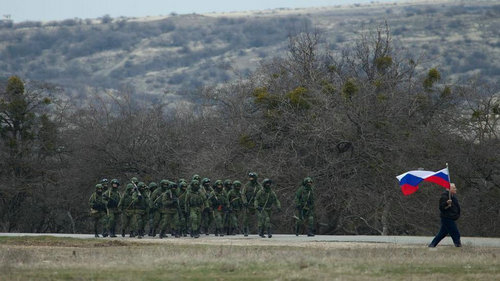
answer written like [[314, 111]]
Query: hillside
[[177, 53]]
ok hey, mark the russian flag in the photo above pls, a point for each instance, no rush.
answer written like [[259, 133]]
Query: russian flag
[[409, 181]]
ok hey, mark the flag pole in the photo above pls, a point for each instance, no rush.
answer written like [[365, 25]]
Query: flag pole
[[449, 178]]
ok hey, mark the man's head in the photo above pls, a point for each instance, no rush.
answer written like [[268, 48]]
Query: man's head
[[218, 185], [183, 185], [205, 182], [195, 185], [135, 180], [98, 188], [237, 185], [453, 188], [252, 176], [115, 183], [266, 183], [141, 185], [129, 188], [164, 184], [196, 177], [153, 186], [307, 182], [104, 183]]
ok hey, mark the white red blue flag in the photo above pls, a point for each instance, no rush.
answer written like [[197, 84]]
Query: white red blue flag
[[409, 181]]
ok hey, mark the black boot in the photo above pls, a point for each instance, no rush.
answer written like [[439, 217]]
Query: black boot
[[221, 234], [132, 234], [245, 231], [96, 235], [261, 232], [216, 231], [269, 234], [310, 233], [162, 234], [151, 231], [123, 232], [196, 234], [112, 231], [104, 234], [297, 228], [206, 231]]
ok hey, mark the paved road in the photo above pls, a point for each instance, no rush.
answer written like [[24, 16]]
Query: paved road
[[287, 238]]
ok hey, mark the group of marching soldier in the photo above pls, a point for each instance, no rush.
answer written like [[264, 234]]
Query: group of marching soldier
[[183, 208]]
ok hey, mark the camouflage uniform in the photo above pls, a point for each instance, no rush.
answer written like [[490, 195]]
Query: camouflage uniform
[[228, 185], [183, 215], [127, 210], [218, 203], [104, 183], [235, 201], [112, 197], [155, 206], [97, 209], [170, 208], [252, 187], [264, 200], [140, 202], [304, 203], [195, 203], [207, 215], [152, 187]]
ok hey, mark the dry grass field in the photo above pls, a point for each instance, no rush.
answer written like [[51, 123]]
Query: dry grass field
[[50, 258]]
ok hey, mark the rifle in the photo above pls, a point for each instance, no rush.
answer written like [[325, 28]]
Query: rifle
[[137, 189]]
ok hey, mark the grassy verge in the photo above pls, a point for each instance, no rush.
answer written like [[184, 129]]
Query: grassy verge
[[49, 258]]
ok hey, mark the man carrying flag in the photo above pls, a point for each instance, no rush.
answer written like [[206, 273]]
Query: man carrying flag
[[448, 203]]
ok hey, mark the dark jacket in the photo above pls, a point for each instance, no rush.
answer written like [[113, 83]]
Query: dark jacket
[[452, 212]]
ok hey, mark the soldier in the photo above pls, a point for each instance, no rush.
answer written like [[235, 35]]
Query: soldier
[[228, 185], [250, 191], [155, 206], [97, 209], [170, 208], [183, 215], [304, 203], [140, 202], [264, 200], [218, 203], [134, 181], [196, 177], [236, 201], [127, 210], [195, 203], [112, 197], [104, 183], [207, 216]]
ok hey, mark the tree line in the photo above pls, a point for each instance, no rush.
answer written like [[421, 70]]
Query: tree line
[[352, 121]]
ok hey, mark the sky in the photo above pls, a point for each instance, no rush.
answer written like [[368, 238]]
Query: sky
[[48, 10]]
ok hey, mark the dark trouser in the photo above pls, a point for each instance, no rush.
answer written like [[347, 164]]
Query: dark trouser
[[448, 226]]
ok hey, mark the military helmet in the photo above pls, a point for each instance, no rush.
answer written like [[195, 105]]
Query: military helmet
[[104, 181], [141, 184], [307, 180], [152, 185], [195, 185], [252, 175], [164, 183], [134, 180], [228, 183], [129, 186], [266, 182], [172, 185], [237, 184], [115, 181], [196, 177], [218, 182], [183, 184], [98, 186], [205, 181], [181, 180]]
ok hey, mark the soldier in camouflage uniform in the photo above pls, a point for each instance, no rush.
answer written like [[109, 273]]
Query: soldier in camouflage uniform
[[127, 210], [112, 197], [250, 191], [228, 185], [140, 202], [264, 201], [218, 203], [170, 208], [236, 202], [304, 203], [104, 183], [155, 206], [183, 215], [97, 209], [151, 189], [207, 215], [195, 203]]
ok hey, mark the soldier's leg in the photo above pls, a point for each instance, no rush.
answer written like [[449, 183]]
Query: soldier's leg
[[194, 217], [105, 222], [261, 222], [245, 221], [310, 219], [111, 223], [267, 223]]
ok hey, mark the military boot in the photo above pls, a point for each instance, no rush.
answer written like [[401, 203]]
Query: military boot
[[245, 231], [297, 228], [310, 232], [216, 232], [123, 232], [112, 235], [162, 234], [269, 234], [96, 235], [132, 234], [261, 232], [104, 234], [206, 231], [176, 234], [196, 234], [151, 231]]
